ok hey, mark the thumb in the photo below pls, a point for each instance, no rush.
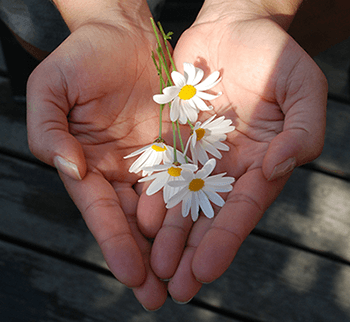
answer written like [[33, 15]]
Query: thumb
[[302, 138], [47, 124]]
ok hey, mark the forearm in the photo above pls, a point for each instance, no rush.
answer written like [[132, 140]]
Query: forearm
[[281, 11], [79, 12]]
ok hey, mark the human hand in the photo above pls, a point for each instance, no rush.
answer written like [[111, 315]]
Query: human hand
[[89, 105], [276, 96]]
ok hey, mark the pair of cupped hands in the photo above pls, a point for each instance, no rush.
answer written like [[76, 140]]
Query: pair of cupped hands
[[90, 104]]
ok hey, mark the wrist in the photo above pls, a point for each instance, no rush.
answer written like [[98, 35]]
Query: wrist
[[112, 12], [281, 12]]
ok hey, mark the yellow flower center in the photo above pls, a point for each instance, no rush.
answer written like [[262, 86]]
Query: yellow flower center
[[200, 133], [196, 184], [187, 92], [158, 148], [174, 172]]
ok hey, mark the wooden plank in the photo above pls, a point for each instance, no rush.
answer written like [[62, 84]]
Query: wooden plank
[[313, 211], [13, 131], [335, 64], [36, 207], [274, 283], [34, 287], [61, 229], [335, 156]]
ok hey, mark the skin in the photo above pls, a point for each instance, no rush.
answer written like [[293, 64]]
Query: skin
[[90, 102], [276, 96]]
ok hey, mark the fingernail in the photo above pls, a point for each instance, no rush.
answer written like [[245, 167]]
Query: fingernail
[[165, 279], [283, 168], [182, 303], [147, 310], [68, 168]]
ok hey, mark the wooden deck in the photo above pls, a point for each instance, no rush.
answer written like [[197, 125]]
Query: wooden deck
[[295, 266]]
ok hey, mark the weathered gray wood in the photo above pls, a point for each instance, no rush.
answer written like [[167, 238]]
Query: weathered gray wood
[[336, 154], [335, 63], [265, 279], [35, 206], [13, 131], [274, 283], [35, 288], [313, 210]]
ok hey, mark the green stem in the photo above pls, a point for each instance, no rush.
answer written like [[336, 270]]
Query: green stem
[[174, 140], [160, 52], [190, 124], [180, 139], [165, 38]]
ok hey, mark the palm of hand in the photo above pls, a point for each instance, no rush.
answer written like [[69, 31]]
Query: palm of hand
[[253, 58], [106, 79]]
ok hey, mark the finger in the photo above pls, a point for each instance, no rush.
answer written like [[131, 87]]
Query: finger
[[303, 133], [48, 130], [150, 213], [153, 292], [251, 196], [102, 211], [169, 243], [184, 286]]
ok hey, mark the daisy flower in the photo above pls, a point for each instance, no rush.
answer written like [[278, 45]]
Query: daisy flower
[[151, 155], [167, 172], [198, 189], [207, 137], [187, 95]]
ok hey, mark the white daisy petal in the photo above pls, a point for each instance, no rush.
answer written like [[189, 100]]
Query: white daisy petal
[[216, 123], [212, 150], [205, 123], [205, 205], [162, 98], [186, 205], [169, 192], [178, 79], [227, 188], [194, 139], [158, 167], [177, 183], [177, 198], [175, 109], [216, 177], [191, 113], [183, 116], [137, 165], [207, 169], [194, 155], [214, 198], [194, 206], [198, 77], [207, 96], [212, 80], [201, 154], [200, 104], [171, 91], [148, 178], [137, 152], [219, 180], [190, 70], [157, 184], [221, 146], [190, 167], [187, 175]]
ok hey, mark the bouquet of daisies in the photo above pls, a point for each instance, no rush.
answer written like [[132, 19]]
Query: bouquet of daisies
[[184, 180]]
